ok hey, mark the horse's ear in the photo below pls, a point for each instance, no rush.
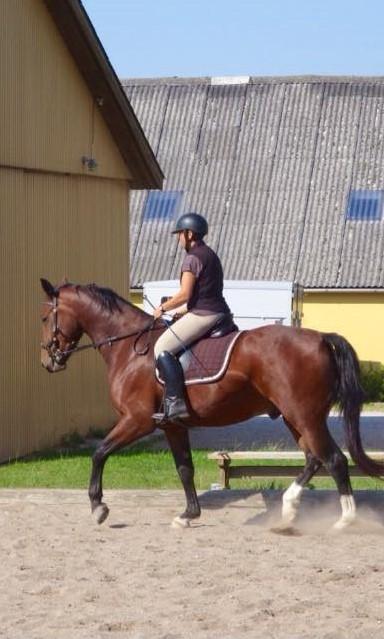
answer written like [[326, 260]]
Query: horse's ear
[[64, 281], [47, 287]]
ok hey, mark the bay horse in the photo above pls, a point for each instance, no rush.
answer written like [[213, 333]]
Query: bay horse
[[279, 370]]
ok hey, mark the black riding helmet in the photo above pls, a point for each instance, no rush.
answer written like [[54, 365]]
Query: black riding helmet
[[192, 222]]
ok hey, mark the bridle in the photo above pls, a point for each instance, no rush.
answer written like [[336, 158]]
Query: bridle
[[59, 356], [53, 345]]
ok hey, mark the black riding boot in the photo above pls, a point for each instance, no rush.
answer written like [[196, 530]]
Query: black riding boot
[[172, 373]]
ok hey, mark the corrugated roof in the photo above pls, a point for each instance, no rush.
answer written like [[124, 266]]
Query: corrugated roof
[[270, 162]]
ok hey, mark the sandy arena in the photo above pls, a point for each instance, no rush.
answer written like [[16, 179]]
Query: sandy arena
[[228, 576]]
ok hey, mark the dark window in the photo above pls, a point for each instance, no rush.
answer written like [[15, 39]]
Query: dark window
[[162, 205], [365, 205]]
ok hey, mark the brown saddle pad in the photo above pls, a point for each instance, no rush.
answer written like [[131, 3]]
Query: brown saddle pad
[[207, 360]]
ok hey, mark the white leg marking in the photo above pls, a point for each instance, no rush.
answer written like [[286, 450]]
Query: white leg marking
[[291, 501], [179, 522], [348, 512]]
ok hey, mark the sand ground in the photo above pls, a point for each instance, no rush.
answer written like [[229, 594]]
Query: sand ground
[[227, 576]]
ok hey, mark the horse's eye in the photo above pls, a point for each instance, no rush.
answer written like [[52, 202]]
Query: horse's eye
[[44, 319]]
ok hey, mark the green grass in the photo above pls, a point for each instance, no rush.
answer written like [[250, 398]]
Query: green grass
[[373, 407], [139, 467]]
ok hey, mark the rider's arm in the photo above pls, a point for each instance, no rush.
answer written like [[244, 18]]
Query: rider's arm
[[182, 296]]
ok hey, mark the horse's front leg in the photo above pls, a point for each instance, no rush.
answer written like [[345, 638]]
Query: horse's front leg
[[178, 440], [124, 433]]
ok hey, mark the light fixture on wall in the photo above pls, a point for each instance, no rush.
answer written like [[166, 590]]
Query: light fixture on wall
[[89, 163]]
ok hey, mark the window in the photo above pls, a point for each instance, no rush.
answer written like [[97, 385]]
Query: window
[[365, 205], [162, 205]]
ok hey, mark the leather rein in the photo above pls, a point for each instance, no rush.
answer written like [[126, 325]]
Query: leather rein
[[57, 355]]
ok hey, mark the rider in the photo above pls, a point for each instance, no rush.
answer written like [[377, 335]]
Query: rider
[[203, 305]]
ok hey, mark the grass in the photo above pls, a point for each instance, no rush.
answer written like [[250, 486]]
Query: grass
[[141, 466], [373, 407], [134, 468]]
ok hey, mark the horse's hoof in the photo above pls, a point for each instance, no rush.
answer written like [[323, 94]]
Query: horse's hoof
[[101, 513], [343, 523], [179, 522]]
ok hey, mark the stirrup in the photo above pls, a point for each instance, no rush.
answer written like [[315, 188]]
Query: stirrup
[[164, 422], [159, 418], [162, 417], [172, 416]]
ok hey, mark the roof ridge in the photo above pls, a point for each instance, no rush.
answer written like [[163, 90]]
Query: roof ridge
[[304, 79]]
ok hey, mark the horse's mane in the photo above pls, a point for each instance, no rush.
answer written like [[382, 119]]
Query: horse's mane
[[107, 299]]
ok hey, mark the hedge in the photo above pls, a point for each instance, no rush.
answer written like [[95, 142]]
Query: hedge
[[372, 377]]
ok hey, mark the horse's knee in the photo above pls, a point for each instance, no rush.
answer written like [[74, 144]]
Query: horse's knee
[[98, 456]]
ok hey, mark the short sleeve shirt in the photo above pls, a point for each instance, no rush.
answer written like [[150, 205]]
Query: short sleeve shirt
[[192, 264]]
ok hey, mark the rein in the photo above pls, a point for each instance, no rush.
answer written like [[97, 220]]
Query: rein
[[116, 338]]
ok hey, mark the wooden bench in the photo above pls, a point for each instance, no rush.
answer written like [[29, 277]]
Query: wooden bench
[[227, 470]]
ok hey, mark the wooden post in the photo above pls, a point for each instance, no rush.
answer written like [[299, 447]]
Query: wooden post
[[224, 463]]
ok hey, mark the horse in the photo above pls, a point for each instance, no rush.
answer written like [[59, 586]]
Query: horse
[[276, 370]]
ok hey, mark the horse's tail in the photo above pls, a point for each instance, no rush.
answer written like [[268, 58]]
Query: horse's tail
[[349, 395]]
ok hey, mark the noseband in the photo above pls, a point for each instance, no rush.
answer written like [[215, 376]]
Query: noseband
[[59, 357]]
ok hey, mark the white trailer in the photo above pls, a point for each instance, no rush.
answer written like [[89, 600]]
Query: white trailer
[[253, 303]]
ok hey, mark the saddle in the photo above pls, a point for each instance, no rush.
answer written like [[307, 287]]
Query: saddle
[[206, 360]]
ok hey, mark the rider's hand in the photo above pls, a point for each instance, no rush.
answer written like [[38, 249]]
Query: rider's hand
[[157, 312]]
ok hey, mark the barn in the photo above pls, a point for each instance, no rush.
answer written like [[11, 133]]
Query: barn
[[71, 151], [289, 172]]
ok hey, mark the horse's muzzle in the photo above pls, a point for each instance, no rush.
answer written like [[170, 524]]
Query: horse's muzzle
[[53, 367], [50, 364]]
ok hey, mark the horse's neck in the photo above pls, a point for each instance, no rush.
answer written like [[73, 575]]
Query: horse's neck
[[99, 324]]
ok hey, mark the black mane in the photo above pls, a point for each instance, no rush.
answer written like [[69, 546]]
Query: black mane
[[106, 297]]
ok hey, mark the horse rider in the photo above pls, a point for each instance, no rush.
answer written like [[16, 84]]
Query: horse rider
[[202, 305]]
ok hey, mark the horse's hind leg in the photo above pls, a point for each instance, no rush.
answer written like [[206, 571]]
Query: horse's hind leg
[[178, 440], [336, 464], [291, 497]]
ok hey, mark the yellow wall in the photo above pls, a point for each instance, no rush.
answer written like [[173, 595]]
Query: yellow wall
[[54, 226], [136, 297], [357, 316], [56, 220], [49, 118]]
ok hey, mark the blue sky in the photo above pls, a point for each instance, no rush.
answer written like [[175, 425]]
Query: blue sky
[[152, 38]]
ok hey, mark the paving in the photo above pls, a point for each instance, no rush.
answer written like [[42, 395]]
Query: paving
[[264, 433]]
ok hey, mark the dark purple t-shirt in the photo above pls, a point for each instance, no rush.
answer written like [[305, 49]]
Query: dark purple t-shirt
[[207, 296]]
